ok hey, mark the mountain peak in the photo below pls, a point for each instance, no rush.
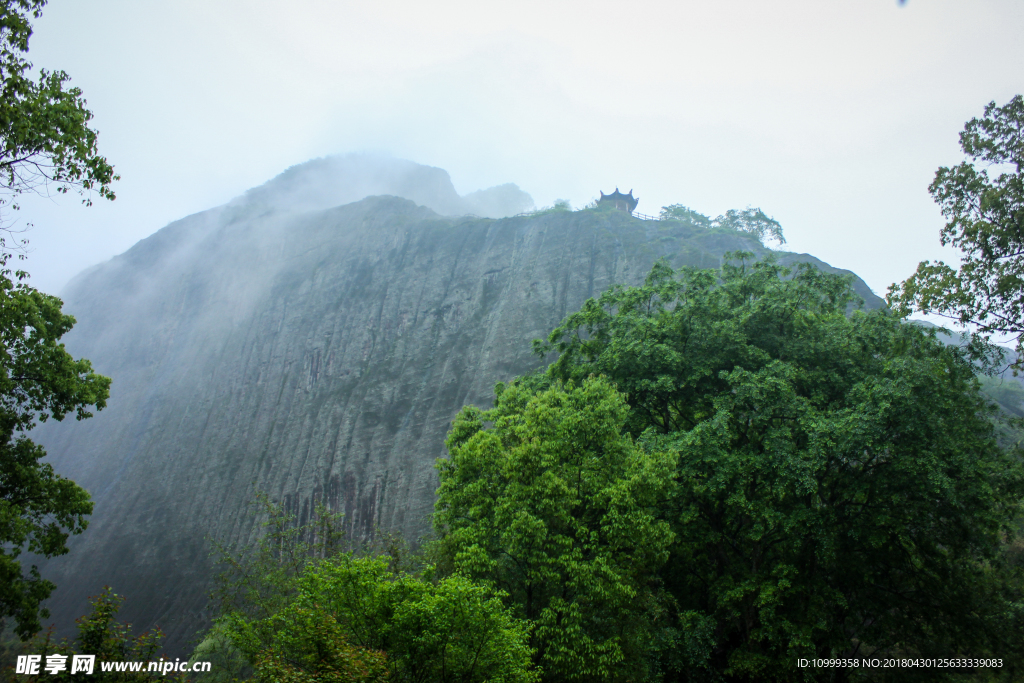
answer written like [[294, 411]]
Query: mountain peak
[[342, 179]]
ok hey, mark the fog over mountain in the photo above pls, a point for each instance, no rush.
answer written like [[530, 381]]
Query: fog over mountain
[[314, 338], [336, 180]]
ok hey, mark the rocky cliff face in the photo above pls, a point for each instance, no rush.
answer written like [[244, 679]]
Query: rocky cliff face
[[318, 355]]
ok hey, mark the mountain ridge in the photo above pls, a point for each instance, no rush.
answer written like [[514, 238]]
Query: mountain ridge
[[318, 355]]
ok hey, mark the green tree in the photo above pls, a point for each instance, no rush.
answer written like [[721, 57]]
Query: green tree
[[839, 488], [45, 138], [259, 580], [305, 643], [678, 212], [751, 221], [554, 506], [45, 143], [298, 608], [255, 582], [39, 380], [985, 221], [444, 631], [108, 640]]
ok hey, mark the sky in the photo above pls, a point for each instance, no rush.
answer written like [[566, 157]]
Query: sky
[[830, 115]]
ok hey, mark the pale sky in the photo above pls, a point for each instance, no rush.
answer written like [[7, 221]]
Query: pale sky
[[830, 115]]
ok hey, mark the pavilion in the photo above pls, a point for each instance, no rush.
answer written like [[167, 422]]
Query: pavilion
[[622, 202]]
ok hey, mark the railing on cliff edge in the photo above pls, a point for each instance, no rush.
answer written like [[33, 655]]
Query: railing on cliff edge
[[645, 217]]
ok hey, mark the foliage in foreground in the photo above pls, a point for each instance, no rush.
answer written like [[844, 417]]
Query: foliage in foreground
[[99, 634], [39, 380], [45, 138], [45, 143], [556, 507], [300, 609], [837, 487]]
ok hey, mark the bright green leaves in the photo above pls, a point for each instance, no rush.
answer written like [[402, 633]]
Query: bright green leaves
[[45, 141], [354, 619], [39, 379], [553, 505], [296, 608], [108, 640], [452, 630], [800, 512], [45, 138], [667, 342], [825, 485], [309, 645], [985, 220]]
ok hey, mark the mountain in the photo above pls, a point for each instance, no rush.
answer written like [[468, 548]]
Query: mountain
[[336, 180], [316, 352]]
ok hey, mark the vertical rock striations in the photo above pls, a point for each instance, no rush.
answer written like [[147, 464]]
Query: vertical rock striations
[[318, 356]]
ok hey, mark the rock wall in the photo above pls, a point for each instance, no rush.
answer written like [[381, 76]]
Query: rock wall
[[317, 356]]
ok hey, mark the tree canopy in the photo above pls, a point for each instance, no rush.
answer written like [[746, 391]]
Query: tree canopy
[[103, 637], [296, 607], [985, 221], [39, 380], [45, 142], [751, 221], [555, 506], [836, 486], [45, 138]]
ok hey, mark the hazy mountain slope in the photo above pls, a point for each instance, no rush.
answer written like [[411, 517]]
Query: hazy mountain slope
[[335, 180], [318, 356]]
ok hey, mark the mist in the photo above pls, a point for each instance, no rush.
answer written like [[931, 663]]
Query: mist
[[260, 225], [332, 181], [832, 117]]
